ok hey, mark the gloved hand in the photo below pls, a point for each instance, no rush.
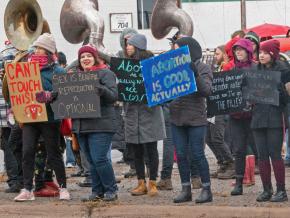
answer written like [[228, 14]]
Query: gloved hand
[[194, 69], [44, 97]]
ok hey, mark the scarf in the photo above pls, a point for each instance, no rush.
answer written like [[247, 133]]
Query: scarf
[[41, 59], [99, 67]]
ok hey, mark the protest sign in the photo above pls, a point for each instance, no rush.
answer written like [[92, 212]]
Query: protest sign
[[168, 76], [262, 86], [77, 97], [24, 81], [130, 80], [226, 94]]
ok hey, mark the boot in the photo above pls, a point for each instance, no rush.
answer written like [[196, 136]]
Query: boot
[[164, 184], [249, 175], [205, 196], [238, 189], [184, 195], [196, 182], [228, 173], [251, 171], [266, 194], [280, 195], [141, 189], [221, 169], [152, 188]]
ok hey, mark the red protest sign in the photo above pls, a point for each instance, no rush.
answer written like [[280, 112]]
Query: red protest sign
[[23, 82]]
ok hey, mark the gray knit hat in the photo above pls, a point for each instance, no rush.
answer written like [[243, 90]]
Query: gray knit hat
[[46, 41], [139, 41]]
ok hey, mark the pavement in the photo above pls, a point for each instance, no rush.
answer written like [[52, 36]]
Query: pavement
[[127, 206]]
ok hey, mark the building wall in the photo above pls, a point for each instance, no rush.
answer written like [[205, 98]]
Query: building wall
[[214, 21]]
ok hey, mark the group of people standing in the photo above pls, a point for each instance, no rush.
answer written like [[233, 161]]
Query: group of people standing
[[181, 123]]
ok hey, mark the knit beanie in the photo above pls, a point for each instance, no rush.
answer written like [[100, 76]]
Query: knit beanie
[[139, 41], [272, 47], [90, 49], [253, 37], [193, 45], [47, 42]]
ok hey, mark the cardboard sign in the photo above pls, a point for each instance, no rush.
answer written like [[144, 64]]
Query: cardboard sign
[[262, 87], [77, 97], [168, 76], [24, 81], [226, 94], [130, 80]]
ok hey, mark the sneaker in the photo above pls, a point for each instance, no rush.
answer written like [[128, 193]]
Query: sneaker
[[64, 194], [69, 165], [164, 184], [93, 197], [24, 195], [110, 196], [130, 173]]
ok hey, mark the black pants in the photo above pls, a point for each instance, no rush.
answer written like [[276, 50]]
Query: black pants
[[241, 137], [152, 153], [51, 135], [9, 158], [15, 142], [216, 142], [269, 143]]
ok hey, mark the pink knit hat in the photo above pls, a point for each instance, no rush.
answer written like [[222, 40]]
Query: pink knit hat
[[90, 49], [272, 47]]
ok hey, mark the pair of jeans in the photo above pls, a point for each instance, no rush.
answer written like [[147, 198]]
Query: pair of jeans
[[191, 139], [10, 161], [168, 156], [152, 152], [51, 136], [216, 141], [70, 158], [96, 147]]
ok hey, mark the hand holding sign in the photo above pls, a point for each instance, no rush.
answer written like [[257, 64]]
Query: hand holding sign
[[78, 95], [130, 80], [24, 81]]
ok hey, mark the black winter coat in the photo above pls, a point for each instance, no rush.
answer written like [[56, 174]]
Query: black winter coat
[[190, 110], [270, 116], [107, 121]]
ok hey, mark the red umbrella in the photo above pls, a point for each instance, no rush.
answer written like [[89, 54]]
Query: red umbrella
[[284, 44], [266, 30]]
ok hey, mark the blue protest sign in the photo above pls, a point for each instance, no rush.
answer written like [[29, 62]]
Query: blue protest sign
[[168, 76]]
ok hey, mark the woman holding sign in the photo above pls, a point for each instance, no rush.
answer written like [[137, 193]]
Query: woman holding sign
[[144, 126], [95, 134], [267, 124], [188, 122], [44, 54], [240, 122]]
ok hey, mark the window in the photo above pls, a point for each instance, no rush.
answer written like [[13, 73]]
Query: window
[[145, 9]]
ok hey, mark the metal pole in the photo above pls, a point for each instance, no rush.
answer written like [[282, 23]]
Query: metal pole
[[243, 15]]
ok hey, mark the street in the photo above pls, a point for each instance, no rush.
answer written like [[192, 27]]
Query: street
[[223, 204]]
